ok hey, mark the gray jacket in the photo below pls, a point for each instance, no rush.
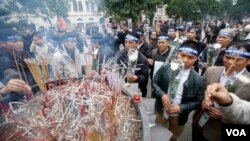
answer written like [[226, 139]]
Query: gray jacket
[[236, 113], [64, 66]]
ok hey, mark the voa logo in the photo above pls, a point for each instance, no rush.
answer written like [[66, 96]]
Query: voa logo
[[236, 132]]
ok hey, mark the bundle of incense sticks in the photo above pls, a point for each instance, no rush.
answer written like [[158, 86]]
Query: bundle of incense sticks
[[39, 74], [82, 110]]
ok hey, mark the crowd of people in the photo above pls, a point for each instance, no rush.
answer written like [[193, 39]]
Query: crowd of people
[[214, 91]]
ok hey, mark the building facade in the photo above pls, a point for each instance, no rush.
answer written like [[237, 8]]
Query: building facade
[[83, 11]]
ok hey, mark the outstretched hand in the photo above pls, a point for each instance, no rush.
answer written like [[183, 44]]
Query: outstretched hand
[[16, 85]]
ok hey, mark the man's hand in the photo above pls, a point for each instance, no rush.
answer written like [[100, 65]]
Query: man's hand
[[16, 85], [215, 113], [206, 103], [166, 102], [175, 109], [132, 78], [218, 93]]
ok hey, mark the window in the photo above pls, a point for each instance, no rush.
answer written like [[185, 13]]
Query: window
[[87, 6], [80, 7], [92, 7], [75, 6]]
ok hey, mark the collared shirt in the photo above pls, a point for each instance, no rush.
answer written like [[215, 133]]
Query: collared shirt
[[229, 79], [158, 56], [183, 75]]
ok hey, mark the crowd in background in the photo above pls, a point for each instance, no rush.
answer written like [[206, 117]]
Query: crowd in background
[[69, 53]]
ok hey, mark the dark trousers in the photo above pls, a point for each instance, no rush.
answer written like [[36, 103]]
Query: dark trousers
[[197, 133]]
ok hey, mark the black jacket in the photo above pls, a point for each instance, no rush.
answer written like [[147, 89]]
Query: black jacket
[[8, 70], [144, 49], [193, 91], [157, 56]]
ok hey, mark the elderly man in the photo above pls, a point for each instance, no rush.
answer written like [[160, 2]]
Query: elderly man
[[129, 56], [225, 39]]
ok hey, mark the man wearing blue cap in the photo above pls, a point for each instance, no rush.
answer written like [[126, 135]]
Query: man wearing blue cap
[[225, 39], [171, 34], [130, 55], [234, 76], [160, 53], [188, 92], [66, 60], [12, 66]]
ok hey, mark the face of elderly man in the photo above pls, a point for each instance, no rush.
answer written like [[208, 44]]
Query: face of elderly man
[[224, 40]]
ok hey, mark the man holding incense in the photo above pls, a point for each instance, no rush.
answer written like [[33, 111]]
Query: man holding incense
[[12, 65], [234, 76]]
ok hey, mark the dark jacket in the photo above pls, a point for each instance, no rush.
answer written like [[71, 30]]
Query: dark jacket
[[193, 92], [144, 48], [8, 70], [141, 71], [157, 56]]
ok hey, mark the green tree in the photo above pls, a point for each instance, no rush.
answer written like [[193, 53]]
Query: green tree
[[45, 9], [225, 8], [240, 10], [187, 10], [124, 9], [208, 7]]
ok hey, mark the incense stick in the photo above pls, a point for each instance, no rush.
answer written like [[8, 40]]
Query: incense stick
[[17, 66], [25, 77]]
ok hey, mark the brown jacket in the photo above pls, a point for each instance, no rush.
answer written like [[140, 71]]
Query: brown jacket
[[212, 129]]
